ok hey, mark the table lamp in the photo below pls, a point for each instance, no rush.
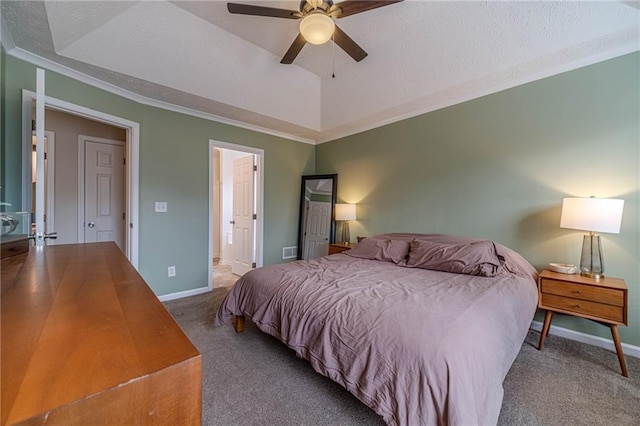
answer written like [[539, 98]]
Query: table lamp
[[345, 213], [593, 215]]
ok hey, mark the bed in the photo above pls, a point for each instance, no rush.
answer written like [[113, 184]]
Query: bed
[[422, 328]]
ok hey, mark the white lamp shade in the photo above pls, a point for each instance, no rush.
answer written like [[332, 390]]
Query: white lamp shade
[[592, 214], [317, 28], [345, 212]]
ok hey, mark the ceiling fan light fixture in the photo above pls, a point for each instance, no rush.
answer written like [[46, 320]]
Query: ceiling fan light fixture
[[317, 28]]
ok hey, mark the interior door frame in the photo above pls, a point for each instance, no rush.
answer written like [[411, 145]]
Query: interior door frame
[[132, 168], [50, 152], [82, 140], [50, 158], [259, 190]]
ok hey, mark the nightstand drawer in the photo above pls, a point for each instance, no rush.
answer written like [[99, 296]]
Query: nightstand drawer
[[583, 307], [607, 296]]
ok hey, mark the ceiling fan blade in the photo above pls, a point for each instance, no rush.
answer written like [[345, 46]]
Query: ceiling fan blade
[[247, 9], [351, 7], [294, 49], [347, 44]]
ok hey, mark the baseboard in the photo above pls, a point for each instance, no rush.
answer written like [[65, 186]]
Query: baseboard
[[181, 294], [600, 342]]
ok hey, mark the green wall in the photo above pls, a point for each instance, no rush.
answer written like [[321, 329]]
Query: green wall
[[498, 167], [173, 168], [495, 167]]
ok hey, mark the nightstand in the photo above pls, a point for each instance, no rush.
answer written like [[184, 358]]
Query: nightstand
[[340, 247], [603, 301]]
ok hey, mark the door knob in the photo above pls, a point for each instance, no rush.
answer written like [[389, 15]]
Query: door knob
[[91, 224], [233, 222], [40, 236]]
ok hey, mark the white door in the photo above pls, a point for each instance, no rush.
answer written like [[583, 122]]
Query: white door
[[318, 230], [104, 210], [40, 178], [243, 215], [49, 172], [42, 169]]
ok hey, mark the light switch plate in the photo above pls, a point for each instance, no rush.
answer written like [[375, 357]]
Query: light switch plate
[[161, 206]]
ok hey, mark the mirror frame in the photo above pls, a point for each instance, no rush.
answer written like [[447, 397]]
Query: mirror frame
[[334, 197]]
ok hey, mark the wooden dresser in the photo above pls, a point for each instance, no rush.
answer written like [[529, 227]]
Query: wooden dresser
[[85, 341]]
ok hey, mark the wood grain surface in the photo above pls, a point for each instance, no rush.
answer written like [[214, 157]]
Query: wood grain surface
[[85, 341]]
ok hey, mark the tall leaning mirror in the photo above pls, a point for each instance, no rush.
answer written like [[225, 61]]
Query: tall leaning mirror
[[317, 226]]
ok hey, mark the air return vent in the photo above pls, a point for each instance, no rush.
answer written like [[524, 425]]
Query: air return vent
[[290, 252]]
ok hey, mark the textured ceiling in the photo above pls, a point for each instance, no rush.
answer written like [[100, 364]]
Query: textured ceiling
[[423, 55]]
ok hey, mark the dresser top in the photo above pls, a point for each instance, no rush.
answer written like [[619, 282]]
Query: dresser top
[[579, 279], [77, 320]]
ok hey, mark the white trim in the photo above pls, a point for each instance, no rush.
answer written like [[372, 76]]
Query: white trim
[[210, 219], [623, 47], [186, 293], [133, 158], [259, 153], [50, 137], [27, 167], [92, 81], [80, 179], [332, 135], [27, 148], [82, 143], [40, 177], [589, 339]]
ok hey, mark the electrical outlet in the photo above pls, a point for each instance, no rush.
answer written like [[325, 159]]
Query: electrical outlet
[[171, 271], [161, 207]]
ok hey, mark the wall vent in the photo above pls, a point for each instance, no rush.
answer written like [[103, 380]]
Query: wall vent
[[290, 252]]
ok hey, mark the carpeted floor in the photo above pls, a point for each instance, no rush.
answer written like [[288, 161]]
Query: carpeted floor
[[253, 379]]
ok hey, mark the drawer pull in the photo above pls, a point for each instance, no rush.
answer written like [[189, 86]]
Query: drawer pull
[[578, 306], [579, 291]]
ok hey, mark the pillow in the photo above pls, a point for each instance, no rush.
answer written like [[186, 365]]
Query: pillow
[[473, 258], [384, 250]]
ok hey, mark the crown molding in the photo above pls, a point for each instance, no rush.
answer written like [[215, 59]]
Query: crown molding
[[609, 47], [575, 57], [108, 87]]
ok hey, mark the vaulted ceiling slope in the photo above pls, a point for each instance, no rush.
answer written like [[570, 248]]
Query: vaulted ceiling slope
[[195, 56]]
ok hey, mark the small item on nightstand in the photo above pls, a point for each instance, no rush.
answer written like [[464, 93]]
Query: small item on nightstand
[[563, 268]]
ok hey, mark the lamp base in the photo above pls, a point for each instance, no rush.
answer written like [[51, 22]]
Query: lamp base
[[346, 237], [592, 261], [590, 275]]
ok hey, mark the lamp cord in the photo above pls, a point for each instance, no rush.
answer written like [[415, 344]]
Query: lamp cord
[[333, 56]]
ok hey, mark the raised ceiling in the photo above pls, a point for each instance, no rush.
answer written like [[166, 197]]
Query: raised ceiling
[[196, 57]]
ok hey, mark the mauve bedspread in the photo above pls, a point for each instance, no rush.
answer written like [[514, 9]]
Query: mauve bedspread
[[417, 346]]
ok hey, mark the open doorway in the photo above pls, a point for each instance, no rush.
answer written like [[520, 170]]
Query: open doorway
[[235, 213], [71, 124], [49, 176]]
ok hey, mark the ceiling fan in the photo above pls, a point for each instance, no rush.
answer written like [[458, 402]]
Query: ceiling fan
[[317, 24]]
